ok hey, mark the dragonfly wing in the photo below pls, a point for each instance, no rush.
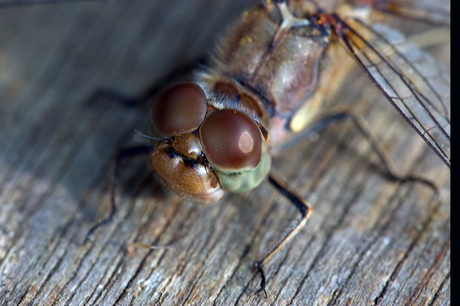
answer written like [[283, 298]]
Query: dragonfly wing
[[411, 79], [426, 11]]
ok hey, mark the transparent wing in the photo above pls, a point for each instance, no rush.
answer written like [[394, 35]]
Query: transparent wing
[[411, 79], [425, 11]]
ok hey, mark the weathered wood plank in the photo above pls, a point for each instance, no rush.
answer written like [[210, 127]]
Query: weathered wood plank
[[369, 242]]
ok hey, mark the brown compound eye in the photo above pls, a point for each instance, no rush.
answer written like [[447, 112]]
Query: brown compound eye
[[231, 140], [178, 109]]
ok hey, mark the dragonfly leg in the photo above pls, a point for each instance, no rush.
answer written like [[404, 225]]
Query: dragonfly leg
[[366, 131], [108, 94], [305, 210], [303, 206], [179, 73], [345, 113], [119, 156]]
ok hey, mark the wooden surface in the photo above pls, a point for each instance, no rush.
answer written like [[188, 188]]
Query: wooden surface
[[369, 242]]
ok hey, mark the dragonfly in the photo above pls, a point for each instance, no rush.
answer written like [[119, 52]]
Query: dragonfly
[[268, 82], [396, 66]]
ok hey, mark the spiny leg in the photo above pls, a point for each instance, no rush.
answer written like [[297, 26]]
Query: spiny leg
[[150, 92], [304, 207], [119, 156], [390, 168], [305, 210], [108, 94], [344, 113]]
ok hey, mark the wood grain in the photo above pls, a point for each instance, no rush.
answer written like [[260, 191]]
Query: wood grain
[[370, 241]]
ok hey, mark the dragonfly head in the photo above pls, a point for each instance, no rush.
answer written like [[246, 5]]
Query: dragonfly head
[[204, 150]]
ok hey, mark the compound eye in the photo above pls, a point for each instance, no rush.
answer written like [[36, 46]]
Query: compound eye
[[178, 109], [231, 140]]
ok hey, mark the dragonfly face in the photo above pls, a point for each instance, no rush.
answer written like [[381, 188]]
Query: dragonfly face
[[205, 150], [274, 69]]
